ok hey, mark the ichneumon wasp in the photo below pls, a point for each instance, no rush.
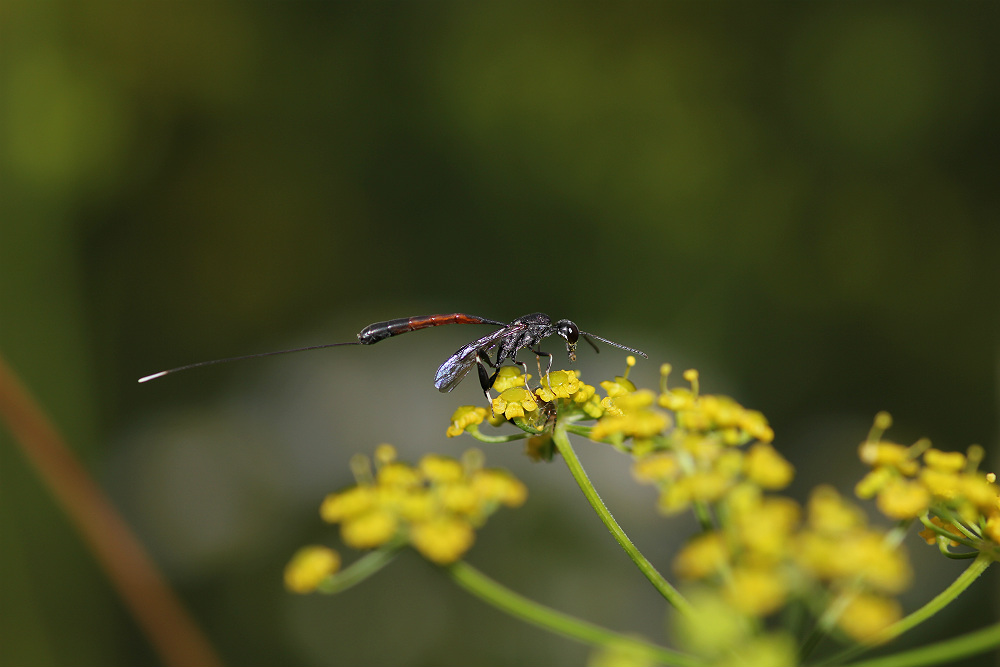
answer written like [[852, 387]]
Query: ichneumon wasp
[[526, 332]]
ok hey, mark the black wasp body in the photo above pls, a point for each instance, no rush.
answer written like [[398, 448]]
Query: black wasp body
[[526, 332]]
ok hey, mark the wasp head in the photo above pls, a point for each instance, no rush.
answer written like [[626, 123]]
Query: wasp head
[[571, 333]]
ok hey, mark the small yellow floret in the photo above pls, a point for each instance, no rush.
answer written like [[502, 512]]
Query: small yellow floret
[[639, 424], [369, 530], [459, 498], [978, 491], [385, 453], [442, 540], [397, 474], [902, 499], [510, 376], [944, 461], [309, 567], [441, 468], [707, 486], [704, 555], [830, 514], [883, 420], [766, 529], [873, 482], [677, 399], [619, 387], [992, 529], [416, 505], [559, 384], [766, 467], [464, 417], [756, 591], [869, 557], [866, 616], [941, 483], [882, 453], [659, 467], [347, 504], [514, 402], [498, 486]]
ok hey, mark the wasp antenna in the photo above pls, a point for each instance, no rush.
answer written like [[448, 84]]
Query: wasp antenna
[[588, 336], [245, 356]]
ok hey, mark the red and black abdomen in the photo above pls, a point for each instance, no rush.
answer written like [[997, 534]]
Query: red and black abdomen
[[373, 333]]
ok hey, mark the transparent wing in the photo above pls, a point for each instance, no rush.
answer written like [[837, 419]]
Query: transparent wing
[[458, 365]]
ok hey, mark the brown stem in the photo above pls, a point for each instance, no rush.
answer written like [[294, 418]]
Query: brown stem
[[128, 566]]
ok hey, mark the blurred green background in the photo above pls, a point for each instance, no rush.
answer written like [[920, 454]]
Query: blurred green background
[[799, 200]]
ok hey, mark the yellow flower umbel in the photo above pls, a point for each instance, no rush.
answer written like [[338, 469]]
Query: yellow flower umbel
[[699, 460], [957, 504], [435, 506], [633, 417], [756, 552]]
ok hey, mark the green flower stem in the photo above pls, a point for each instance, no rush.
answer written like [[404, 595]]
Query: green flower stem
[[971, 532], [576, 469], [703, 514], [952, 537], [360, 569], [943, 599], [941, 653], [546, 618], [579, 429], [475, 433]]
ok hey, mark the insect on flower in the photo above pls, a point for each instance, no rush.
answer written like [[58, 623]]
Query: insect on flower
[[527, 331]]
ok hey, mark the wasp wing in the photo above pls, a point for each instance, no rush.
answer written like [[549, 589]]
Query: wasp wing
[[458, 365]]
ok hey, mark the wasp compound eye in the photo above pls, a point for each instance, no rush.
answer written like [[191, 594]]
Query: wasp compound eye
[[568, 330]]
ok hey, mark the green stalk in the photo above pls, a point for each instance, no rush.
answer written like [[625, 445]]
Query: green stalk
[[482, 437], [941, 653], [360, 569], [908, 622], [549, 619], [576, 469]]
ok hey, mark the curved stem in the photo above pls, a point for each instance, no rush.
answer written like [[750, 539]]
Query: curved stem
[[475, 433], [549, 619], [941, 653], [576, 469], [951, 537], [359, 570], [910, 621]]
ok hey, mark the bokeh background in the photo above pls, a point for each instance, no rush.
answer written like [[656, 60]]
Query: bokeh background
[[800, 200]]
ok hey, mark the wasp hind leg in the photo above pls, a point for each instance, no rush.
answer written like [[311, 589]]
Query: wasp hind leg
[[548, 367]]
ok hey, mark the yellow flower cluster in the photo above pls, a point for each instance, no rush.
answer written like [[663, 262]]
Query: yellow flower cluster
[[765, 554], [435, 506], [464, 417], [699, 460], [530, 408], [862, 565], [914, 481]]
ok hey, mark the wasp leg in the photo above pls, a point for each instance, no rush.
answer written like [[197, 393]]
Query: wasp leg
[[538, 359], [486, 380]]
